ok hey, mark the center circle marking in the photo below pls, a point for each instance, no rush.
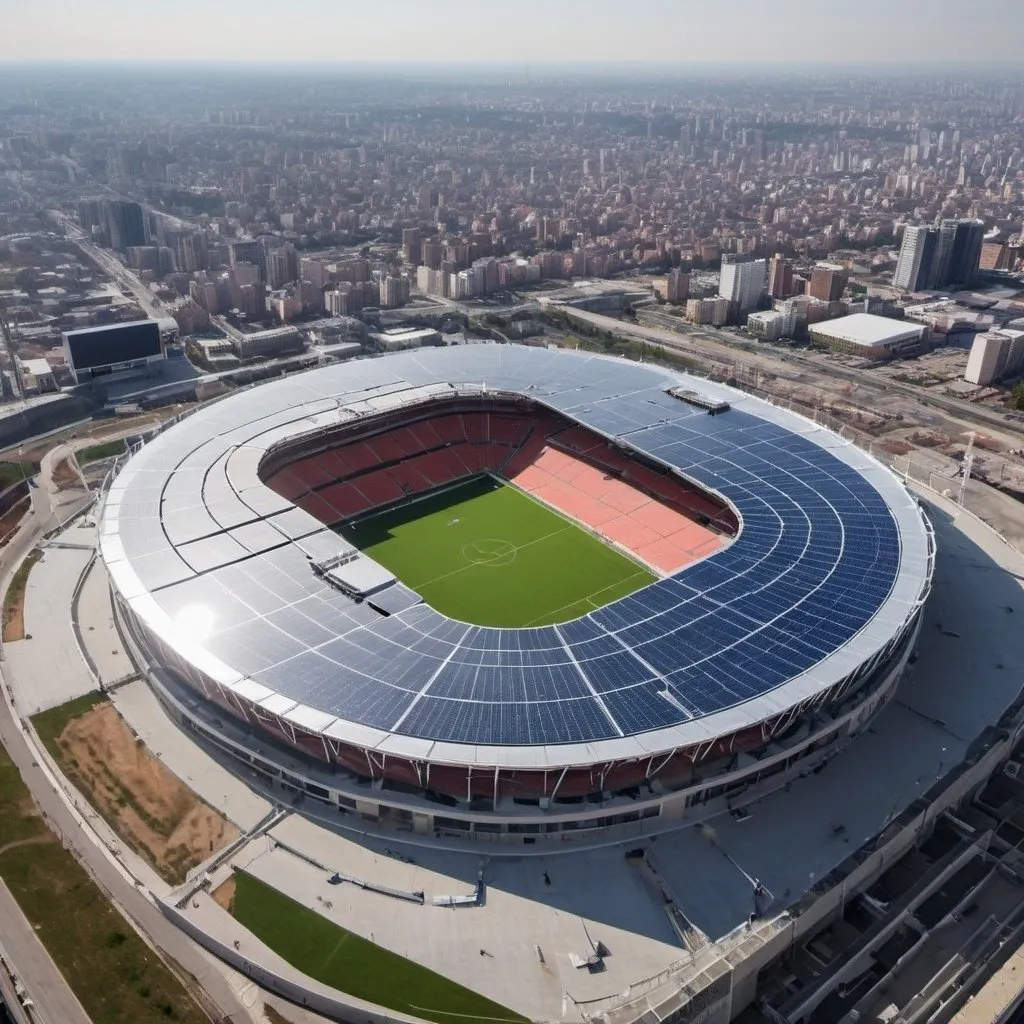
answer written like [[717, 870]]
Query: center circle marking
[[489, 551]]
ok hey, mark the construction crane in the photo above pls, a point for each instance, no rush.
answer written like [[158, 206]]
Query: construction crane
[[5, 328], [965, 470]]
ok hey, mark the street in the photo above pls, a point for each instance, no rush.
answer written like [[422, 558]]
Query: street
[[54, 1001], [124, 278]]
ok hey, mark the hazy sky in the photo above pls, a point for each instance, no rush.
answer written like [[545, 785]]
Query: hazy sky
[[781, 31]]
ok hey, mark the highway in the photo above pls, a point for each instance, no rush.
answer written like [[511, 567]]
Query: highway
[[109, 263], [132, 901]]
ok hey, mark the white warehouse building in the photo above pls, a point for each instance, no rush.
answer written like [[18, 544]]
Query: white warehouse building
[[870, 335]]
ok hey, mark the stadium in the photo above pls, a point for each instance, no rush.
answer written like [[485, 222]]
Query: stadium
[[503, 591]]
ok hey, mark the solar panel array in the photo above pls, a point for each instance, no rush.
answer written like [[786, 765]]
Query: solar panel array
[[829, 564]]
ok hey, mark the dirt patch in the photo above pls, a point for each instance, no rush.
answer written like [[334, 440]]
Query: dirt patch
[[897, 447], [148, 806], [274, 1016], [65, 477], [989, 444], [224, 894], [11, 519], [929, 439]]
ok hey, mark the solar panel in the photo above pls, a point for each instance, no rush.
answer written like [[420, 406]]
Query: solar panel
[[394, 599], [818, 556]]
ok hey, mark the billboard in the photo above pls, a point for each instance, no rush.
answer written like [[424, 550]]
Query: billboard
[[96, 347]]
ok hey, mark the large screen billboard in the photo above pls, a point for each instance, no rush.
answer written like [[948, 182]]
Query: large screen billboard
[[118, 343]]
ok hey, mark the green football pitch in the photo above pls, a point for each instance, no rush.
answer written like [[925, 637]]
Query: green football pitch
[[486, 553]]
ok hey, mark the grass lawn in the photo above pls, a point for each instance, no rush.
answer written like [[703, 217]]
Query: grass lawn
[[114, 974], [14, 599], [350, 964], [94, 453], [488, 554], [19, 819], [50, 724], [15, 472]]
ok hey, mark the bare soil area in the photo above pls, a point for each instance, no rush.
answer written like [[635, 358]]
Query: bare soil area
[[275, 1016], [148, 806], [11, 519], [224, 894]]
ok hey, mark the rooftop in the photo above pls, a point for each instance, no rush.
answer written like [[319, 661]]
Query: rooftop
[[868, 330], [718, 646], [37, 367]]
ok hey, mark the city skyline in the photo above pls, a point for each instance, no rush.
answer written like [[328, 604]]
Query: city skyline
[[911, 33]]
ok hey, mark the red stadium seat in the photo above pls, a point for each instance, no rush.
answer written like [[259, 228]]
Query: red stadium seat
[[567, 466]]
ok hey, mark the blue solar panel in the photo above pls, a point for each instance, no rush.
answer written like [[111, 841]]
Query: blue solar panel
[[641, 708], [614, 671], [817, 555]]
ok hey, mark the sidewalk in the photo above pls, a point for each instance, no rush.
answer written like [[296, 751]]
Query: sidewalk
[[45, 668]]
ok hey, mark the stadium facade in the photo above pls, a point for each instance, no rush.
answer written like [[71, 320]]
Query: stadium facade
[[730, 676]]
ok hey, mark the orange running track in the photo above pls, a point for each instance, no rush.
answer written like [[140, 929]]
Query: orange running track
[[656, 534]]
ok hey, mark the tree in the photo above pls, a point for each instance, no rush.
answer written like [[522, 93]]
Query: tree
[[1017, 400]]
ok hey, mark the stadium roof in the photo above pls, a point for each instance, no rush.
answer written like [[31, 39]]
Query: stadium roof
[[868, 330], [832, 559]]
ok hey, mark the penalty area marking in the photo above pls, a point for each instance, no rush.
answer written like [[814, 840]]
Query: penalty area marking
[[490, 551]]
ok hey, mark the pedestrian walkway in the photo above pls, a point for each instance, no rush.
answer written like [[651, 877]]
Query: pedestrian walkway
[[46, 667]]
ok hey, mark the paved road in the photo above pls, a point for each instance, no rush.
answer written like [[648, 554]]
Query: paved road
[[129, 899], [55, 1003], [108, 262], [123, 277], [8, 997]]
